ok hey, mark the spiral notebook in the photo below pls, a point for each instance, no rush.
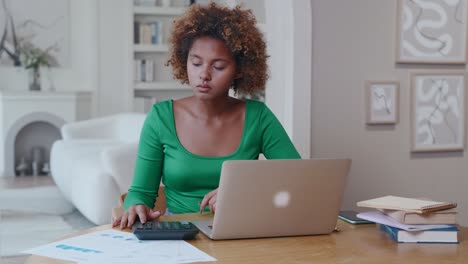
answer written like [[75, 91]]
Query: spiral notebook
[[406, 204]]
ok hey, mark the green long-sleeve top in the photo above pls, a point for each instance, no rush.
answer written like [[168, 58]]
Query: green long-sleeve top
[[188, 177]]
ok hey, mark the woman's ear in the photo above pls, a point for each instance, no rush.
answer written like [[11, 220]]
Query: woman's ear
[[238, 76]]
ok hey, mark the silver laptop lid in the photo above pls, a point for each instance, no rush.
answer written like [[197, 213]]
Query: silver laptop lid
[[268, 198]]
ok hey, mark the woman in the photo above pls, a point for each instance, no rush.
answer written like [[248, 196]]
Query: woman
[[184, 142]]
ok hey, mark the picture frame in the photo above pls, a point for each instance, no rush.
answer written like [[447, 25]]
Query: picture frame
[[432, 32], [382, 99], [38, 27], [438, 111]]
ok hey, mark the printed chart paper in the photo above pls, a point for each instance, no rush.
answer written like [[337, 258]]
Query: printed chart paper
[[113, 246]]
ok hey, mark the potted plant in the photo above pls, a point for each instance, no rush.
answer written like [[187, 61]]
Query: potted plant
[[18, 44], [33, 59]]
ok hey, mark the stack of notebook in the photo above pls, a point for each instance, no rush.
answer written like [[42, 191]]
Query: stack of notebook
[[414, 220]]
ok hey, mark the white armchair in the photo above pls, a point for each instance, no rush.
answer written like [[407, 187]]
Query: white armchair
[[93, 163]]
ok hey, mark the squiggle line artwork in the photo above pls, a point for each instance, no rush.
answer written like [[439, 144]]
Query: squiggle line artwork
[[431, 29], [381, 101], [438, 105]]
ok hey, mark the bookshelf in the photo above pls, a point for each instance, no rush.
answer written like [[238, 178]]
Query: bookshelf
[[157, 10], [150, 80], [153, 82], [150, 48]]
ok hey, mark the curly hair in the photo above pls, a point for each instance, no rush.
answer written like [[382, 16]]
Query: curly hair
[[236, 27]]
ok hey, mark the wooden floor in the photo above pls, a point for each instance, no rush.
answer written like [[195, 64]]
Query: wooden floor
[[16, 183], [25, 182]]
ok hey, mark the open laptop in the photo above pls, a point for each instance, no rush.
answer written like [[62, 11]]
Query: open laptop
[[270, 198]]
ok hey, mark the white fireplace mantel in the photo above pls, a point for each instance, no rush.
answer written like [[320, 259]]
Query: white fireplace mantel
[[18, 109]]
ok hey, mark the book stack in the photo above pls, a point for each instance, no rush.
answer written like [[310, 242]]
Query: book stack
[[411, 220]]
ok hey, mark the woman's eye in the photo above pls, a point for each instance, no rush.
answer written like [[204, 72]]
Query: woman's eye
[[219, 68], [196, 64]]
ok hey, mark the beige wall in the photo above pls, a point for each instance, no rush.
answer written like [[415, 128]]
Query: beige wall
[[354, 41]]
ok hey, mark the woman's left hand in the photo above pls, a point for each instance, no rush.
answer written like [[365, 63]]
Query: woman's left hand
[[210, 200]]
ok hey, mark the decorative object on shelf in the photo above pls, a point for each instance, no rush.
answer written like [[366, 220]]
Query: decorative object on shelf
[[45, 169], [22, 167], [382, 102], [33, 60], [438, 111], [37, 154], [35, 168], [34, 79], [431, 31]]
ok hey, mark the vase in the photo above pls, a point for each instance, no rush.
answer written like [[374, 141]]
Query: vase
[[34, 79]]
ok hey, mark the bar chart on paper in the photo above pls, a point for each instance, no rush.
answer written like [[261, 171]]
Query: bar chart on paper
[[112, 246]]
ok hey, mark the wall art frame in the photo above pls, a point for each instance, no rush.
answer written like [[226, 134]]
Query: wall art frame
[[382, 102], [438, 111], [42, 27], [431, 31]]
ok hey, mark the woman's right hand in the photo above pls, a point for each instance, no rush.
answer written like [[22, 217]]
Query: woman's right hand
[[139, 210]]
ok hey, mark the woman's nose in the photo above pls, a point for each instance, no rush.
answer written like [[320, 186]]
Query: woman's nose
[[205, 74]]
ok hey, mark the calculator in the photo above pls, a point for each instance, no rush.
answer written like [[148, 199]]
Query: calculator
[[155, 230]]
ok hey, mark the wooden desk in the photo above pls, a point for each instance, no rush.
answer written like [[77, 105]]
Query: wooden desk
[[353, 244]]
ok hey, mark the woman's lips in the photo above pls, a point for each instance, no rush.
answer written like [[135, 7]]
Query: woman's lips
[[204, 88]]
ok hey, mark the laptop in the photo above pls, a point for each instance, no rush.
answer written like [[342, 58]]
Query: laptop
[[274, 198]]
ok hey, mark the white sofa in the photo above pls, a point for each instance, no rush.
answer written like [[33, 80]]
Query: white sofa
[[93, 163]]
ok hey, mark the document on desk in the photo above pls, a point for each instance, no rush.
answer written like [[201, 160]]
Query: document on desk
[[381, 218], [113, 246]]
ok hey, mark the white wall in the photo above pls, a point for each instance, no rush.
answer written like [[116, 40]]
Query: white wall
[[288, 91], [354, 41], [81, 73], [114, 38]]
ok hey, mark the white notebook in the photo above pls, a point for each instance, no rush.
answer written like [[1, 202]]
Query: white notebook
[[406, 204]]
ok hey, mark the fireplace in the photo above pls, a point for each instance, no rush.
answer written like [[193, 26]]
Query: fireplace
[[30, 122]]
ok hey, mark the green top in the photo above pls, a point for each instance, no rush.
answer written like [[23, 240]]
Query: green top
[[188, 177]]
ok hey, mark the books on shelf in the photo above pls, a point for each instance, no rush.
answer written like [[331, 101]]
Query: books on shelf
[[143, 70], [147, 32], [406, 204], [441, 235], [438, 217]]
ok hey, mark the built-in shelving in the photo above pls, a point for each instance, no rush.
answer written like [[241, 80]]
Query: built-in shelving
[[151, 80], [162, 85], [151, 48], [158, 11]]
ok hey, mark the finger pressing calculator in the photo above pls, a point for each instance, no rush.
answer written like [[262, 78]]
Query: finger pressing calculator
[[155, 230]]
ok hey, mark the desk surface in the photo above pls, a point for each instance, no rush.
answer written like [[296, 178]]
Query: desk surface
[[353, 244]]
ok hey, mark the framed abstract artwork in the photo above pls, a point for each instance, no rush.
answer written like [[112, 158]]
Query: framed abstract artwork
[[438, 111], [431, 31], [41, 27], [382, 102]]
